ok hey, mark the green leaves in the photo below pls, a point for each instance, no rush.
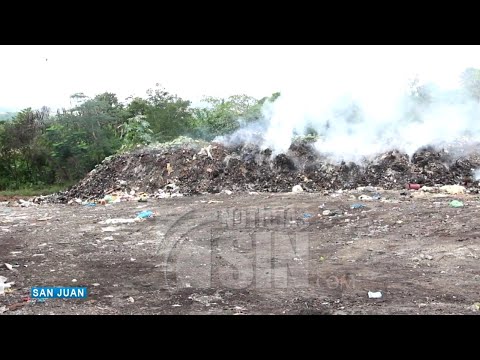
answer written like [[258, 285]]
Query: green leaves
[[136, 132], [38, 148]]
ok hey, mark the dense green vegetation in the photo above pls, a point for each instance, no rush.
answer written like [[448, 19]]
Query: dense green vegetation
[[39, 149]]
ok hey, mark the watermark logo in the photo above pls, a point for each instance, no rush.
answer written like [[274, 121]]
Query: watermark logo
[[259, 248]]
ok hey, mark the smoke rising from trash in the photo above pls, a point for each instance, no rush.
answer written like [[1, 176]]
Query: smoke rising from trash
[[355, 123]]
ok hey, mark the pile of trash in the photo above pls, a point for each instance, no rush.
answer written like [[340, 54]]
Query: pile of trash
[[195, 168]]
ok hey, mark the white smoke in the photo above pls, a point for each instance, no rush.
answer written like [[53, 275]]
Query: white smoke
[[384, 122]]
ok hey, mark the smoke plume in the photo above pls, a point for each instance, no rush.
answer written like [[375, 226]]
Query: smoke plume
[[362, 121]]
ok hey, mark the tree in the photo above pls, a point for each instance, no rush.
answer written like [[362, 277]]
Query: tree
[[23, 156], [83, 136], [224, 116], [169, 115], [136, 132]]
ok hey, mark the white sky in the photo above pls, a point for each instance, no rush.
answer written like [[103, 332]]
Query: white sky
[[28, 80]]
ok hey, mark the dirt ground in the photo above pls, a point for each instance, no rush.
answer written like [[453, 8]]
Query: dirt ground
[[247, 254]]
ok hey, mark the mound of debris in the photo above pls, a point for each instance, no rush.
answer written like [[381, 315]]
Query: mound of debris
[[196, 168]]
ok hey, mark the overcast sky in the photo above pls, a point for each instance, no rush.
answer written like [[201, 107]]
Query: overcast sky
[[33, 76]]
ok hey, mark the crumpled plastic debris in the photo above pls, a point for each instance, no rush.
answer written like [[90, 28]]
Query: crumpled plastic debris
[[297, 189], [4, 285], [456, 204], [453, 189], [146, 214], [357, 206], [375, 295], [206, 151], [365, 198], [169, 168]]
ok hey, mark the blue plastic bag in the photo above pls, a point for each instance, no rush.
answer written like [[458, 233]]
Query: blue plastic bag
[[357, 206], [145, 214]]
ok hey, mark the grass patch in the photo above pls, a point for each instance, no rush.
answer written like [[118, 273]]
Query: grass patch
[[36, 190]]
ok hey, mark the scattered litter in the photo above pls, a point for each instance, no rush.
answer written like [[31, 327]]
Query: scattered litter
[[95, 284], [253, 193], [375, 295], [297, 189], [145, 214], [108, 238], [45, 218], [8, 266], [109, 229], [24, 203], [368, 188], [456, 204], [214, 202], [228, 192], [376, 196], [90, 204], [74, 280], [132, 259], [143, 198], [475, 307], [365, 198], [169, 168], [117, 221], [429, 189], [453, 189], [206, 151], [357, 206], [307, 216], [206, 300], [176, 305], [413, 186], [35, 255], [131, 300], [4, 285]]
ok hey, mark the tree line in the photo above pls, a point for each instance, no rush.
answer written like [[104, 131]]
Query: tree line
[[38, 148]]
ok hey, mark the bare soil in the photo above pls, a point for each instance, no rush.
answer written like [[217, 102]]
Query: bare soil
[[247, 254]]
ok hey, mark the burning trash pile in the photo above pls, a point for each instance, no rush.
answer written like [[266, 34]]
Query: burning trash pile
[[196, 168]]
